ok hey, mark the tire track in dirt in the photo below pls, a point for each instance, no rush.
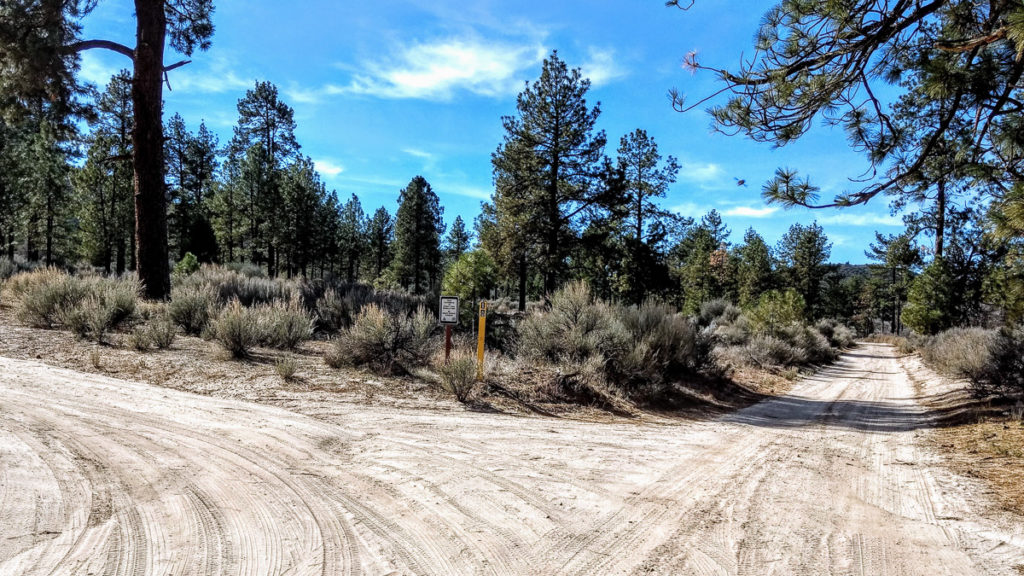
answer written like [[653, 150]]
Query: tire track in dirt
[[139, 479]]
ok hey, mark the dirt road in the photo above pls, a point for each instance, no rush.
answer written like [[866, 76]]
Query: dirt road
[[103, 476]]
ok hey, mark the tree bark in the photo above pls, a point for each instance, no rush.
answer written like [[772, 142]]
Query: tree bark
[[940, 219], [148, 140], [522, 283]]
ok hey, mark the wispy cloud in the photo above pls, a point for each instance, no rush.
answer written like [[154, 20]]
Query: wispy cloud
[[850, 219], [751, 212], [328, 167], [700, 172], [439, 69], [601, 67], [97, 69], [468, 191], [418, 153], [691, 209], [210, 75]]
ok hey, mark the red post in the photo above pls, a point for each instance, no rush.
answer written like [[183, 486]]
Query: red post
[[447, 342]]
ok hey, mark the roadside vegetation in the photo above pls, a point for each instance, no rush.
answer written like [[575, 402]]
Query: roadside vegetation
[[575, 348]]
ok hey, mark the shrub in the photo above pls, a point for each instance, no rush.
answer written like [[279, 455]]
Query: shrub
[[734, 333], [718, 311], [139, 338], [7, 269], [162, 332], [767, 351], [286, 368], [191, 307], [458, 375], [386, 342], [90, 307], [188, 264], [838, 335], [968, 353], [332, 312], [573, 330], [638, 348], [237, 329], [284, 324], [663, 344], [46, 295], [813, 347]]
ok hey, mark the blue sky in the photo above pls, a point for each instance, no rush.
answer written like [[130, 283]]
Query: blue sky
[[386, 90]]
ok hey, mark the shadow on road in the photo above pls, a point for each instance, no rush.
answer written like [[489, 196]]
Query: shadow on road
[[867, 416]]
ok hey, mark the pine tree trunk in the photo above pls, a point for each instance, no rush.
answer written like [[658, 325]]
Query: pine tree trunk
[[148, 140], [522, 283], [940, 220]]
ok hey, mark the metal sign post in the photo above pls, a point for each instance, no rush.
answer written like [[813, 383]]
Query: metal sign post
[[448, 315], [480, 342]]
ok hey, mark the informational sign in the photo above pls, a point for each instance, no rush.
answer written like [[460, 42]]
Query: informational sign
[[449, 310]]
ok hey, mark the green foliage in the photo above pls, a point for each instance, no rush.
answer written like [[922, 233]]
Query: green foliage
[[470, 278], [188, 264], [930, 300], [803, 253], [777, 309], [416, 264], [547, 171], [457, 241], [754, 273]]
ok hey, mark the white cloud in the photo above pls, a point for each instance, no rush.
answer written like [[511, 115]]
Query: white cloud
[[443, 188], [850, 219], [418, 153], [437, 70], [601, 67], [328, 168], [96, 69], [209, 74], [691, 209], [751, 212], [700, 172]]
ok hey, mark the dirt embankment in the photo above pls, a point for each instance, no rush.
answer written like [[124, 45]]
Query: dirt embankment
[[108, 476]]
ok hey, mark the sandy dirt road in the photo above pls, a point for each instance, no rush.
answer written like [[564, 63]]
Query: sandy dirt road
[[103, 476]]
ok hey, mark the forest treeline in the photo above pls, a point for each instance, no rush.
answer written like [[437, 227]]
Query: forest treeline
[[565, 207]]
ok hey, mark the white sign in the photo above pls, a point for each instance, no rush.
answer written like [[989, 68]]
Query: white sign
[[449, 310]]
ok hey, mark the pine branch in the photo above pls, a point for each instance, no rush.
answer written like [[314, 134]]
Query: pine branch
[[102, 44]]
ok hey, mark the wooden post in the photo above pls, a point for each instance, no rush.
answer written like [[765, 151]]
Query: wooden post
[[480, 342], [447, 342]]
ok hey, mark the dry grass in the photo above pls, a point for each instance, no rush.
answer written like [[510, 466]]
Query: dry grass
[[991, 450]]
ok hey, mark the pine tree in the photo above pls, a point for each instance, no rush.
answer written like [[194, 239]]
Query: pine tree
[[754, 274], [416, 263], [39, 47], [352, 237], [263, 143], [457, 241], [803, 255], [380, 235], [551, 159], [645, 178]]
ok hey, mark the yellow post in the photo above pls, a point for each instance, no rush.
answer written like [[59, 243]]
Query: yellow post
[[480, 342]]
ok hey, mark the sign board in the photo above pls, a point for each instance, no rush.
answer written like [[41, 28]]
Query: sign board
[[449, 310]]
